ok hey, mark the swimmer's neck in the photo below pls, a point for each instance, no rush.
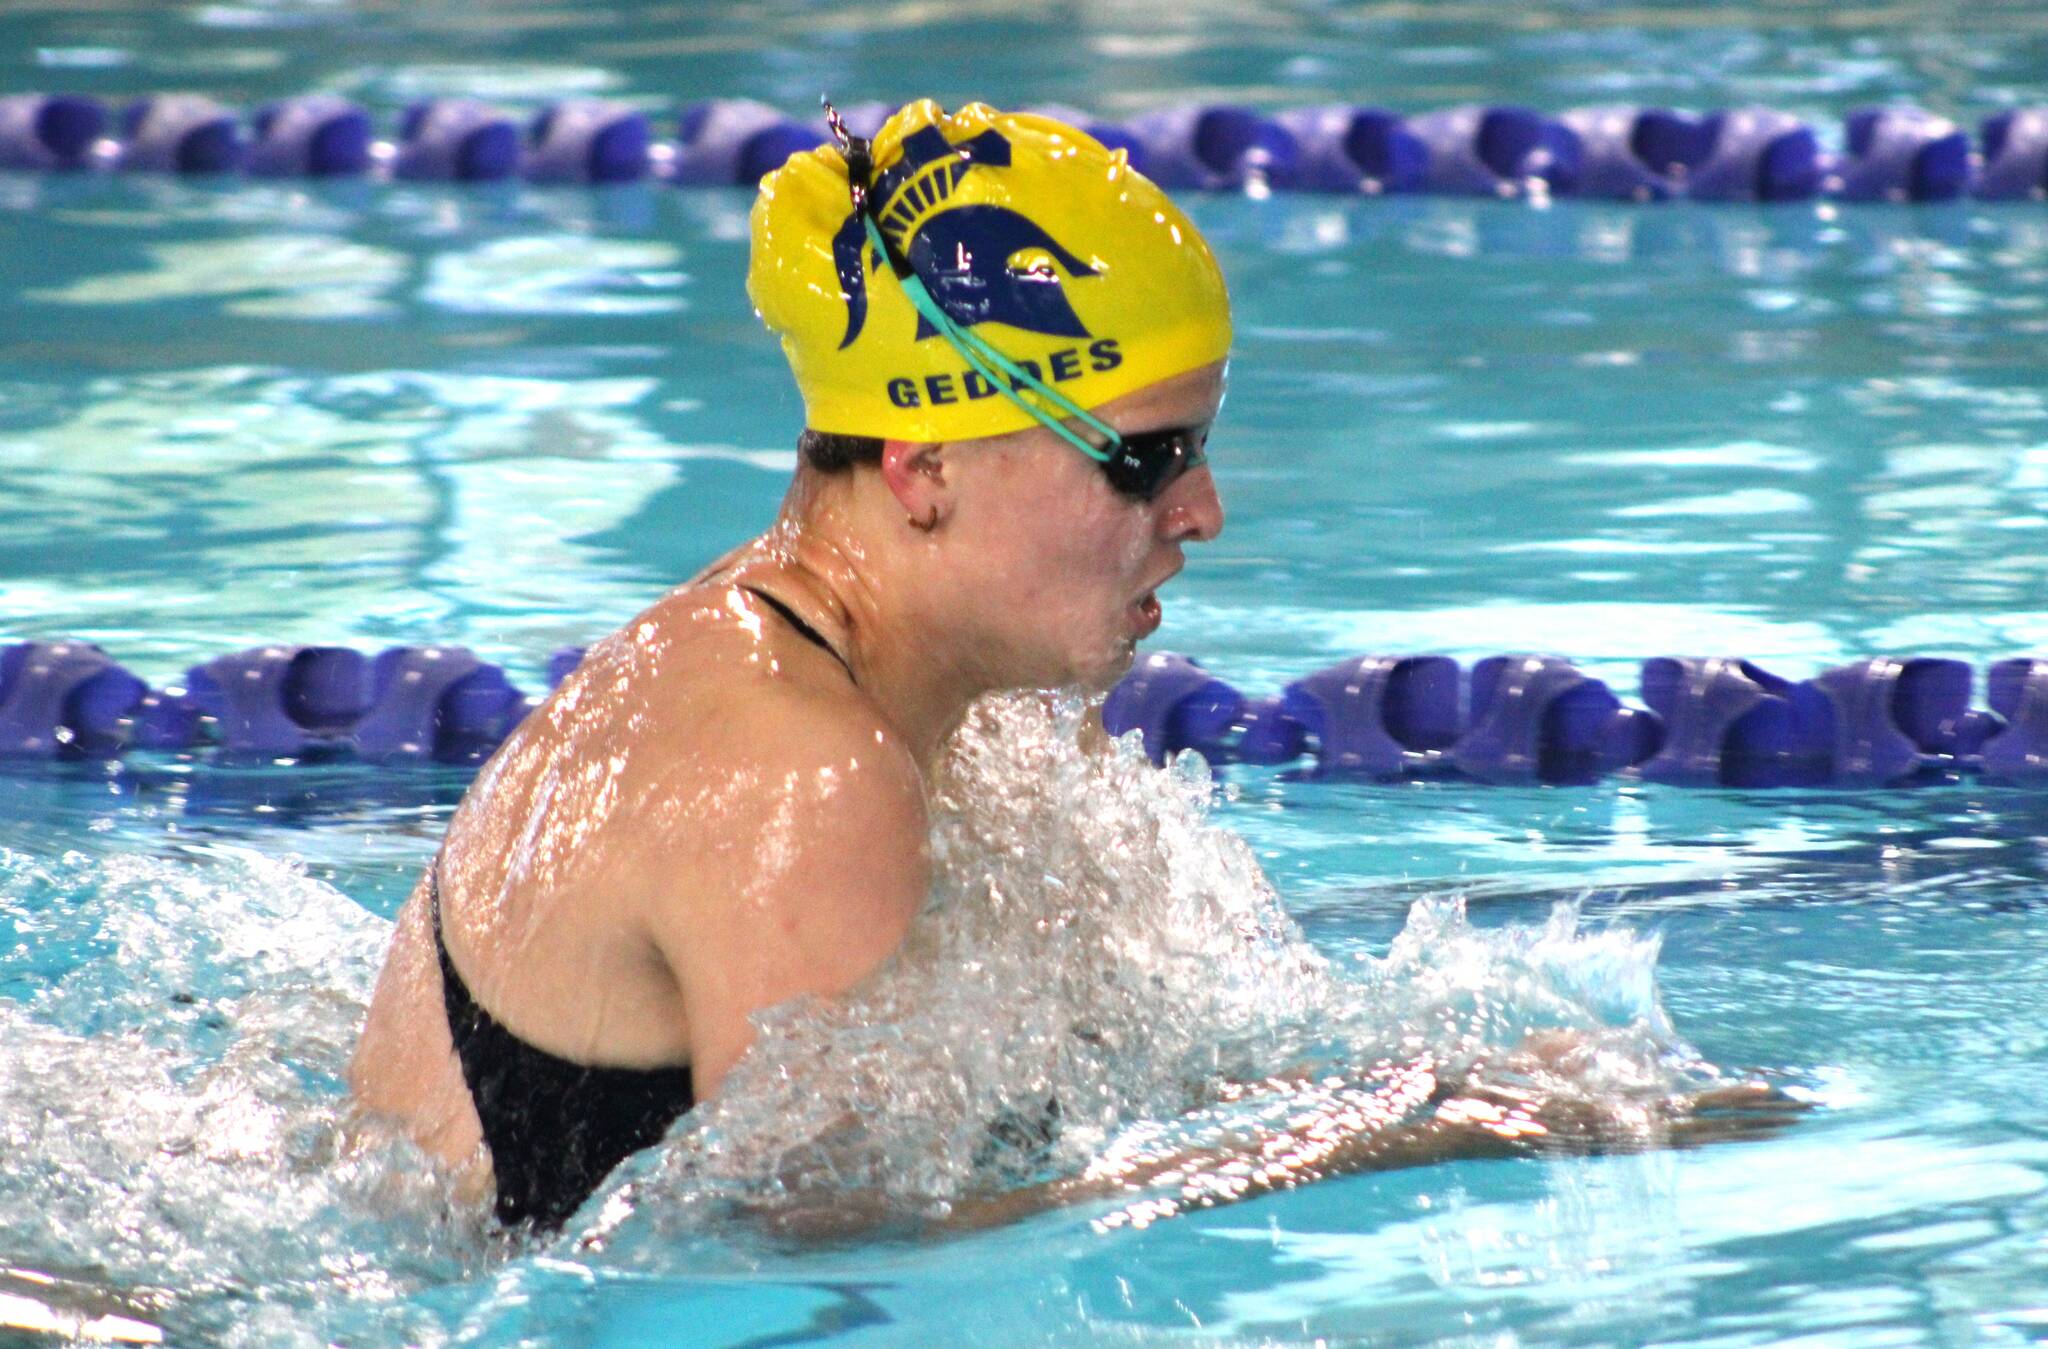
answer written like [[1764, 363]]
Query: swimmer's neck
[[841, 543]]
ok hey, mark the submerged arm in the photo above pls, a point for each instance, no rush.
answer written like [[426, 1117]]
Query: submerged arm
[[1330, 1129]]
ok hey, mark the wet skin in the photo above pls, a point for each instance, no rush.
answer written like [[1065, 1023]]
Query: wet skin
[[709, 817]]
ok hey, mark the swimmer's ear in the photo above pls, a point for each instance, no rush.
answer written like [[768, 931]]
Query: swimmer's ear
[[915, 472]]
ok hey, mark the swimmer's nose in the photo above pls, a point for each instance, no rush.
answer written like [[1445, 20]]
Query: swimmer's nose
[[1191, 511]]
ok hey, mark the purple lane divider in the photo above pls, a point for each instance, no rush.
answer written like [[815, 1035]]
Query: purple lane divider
[[49, 131], [1355, 149], [457, 139], [2018, 692], [1756, 154], [1217, 148], [587, 140], [1377, 716], [1497, 152], [1901, 154], [435, 702], [407, 704], [1894, 717], [1175, 703], [167, 719], [1637, 154], [1539, 719], [1619, 152], [2015, 156], [315, 136], [1268, 734], [63, 698], [275, 702], [730, 142], [179, 133], [1524, 719], [1732, 723]]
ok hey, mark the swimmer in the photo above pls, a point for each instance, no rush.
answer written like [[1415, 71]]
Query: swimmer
[[1010, 349]]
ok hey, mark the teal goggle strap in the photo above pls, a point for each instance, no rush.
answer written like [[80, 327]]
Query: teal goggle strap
[[1009, 378]]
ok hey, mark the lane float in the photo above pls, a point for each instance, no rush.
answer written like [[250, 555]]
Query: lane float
[[1510, 719], [1614, 153], [1534, 719]]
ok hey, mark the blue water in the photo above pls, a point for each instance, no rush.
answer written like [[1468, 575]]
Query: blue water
[[236, 413]]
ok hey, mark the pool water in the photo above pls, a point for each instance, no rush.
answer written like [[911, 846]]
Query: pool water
[[233, 413]]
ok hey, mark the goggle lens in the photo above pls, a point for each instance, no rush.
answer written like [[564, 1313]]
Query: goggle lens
[[1142, 465]]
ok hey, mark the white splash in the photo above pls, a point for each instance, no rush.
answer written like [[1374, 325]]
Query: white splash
[[1098, 962], [170, 1103]]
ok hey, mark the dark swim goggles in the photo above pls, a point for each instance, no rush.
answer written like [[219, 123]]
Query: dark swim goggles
[[1139, 465], [1142, 464]]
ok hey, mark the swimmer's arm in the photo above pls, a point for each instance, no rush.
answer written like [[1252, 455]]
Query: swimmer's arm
[[818, 862], [1478, 1121]]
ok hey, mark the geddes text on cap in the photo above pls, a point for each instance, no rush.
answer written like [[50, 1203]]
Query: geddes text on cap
[[1065, 363]]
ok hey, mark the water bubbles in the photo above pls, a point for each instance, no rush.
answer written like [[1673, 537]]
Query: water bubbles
[[1102, 999], [1099, 973], [170, 1099]]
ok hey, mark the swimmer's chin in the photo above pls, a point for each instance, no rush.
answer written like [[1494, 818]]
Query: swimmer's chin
[[1100, 678], [1091, 676]]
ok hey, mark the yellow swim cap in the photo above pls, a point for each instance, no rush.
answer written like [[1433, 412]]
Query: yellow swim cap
[[1029, 233]]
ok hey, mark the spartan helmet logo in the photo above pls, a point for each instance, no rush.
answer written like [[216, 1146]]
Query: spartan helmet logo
[[962, 253]]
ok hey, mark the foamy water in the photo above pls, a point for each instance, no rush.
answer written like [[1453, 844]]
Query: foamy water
[[1097, 967], [171, 1098]]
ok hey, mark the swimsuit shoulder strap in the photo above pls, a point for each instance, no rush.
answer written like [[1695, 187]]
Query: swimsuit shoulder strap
[[434, 897], [803, 629], [451, 980]]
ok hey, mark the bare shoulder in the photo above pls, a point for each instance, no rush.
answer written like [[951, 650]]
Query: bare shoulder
[[783, 850], [716, 674], [809, 779], [777, 779]]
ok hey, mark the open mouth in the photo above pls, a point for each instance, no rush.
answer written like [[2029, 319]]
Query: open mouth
[[1149, 613]]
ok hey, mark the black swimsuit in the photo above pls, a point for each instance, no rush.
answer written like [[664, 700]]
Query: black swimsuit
[[555, 1127]]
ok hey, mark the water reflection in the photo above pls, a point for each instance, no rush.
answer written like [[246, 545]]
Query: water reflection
[[254, 506], [1352, 848], [562, 274], [1866, 352], [256, 276]]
